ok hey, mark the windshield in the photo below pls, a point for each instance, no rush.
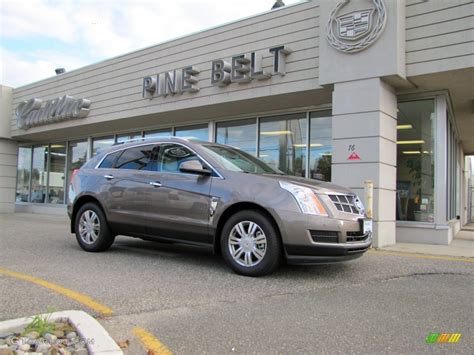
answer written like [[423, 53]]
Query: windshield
[[236, 160]]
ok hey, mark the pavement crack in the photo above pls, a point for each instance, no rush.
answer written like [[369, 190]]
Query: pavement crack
[[415, 274], [358, 284]]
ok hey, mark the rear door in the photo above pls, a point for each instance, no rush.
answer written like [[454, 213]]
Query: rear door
[[178, 202], [125, 194]]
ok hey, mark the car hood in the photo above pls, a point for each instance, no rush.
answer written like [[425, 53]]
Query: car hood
[[317, 185]]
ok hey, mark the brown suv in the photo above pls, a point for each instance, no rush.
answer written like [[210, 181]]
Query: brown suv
[[212, 195]]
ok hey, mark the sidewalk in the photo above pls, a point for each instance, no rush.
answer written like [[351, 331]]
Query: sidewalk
[[461, 246], [468, 227]]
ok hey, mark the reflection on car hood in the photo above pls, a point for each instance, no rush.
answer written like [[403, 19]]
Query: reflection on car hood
[[317, 185]]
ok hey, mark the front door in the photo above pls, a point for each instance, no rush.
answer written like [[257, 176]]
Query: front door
[[179, 202]]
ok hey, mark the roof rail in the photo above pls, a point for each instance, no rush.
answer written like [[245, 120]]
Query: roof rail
[[141, 139], [130, 140]]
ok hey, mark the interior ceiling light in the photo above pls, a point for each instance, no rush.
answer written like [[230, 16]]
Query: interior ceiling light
[[304, 145], [404, 126], [411, 152], [420, 141], [276, 133]]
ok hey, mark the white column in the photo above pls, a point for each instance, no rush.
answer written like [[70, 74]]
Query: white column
[[365, 123], [8, 153]]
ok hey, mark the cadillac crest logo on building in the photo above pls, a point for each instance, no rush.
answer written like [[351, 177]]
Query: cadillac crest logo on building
[[354, 25], [354, 31]]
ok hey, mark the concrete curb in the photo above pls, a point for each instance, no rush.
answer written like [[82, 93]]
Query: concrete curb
[[458, 248], [98, 340]]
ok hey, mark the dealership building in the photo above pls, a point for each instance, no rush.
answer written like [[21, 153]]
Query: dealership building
[[341, 91]]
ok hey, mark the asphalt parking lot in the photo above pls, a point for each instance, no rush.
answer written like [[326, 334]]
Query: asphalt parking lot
[[193, 303]]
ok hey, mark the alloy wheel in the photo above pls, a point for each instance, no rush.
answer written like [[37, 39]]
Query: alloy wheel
[[247, 243], [89, 227]]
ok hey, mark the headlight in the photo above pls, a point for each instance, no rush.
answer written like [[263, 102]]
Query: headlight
[[359, 205], [307, 200]]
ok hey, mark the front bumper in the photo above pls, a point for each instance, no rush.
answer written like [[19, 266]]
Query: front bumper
[[317, 239], [324, 253]]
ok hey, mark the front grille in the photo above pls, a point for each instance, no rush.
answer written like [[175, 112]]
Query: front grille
[[356, 236], [324, 236], [344, 203]]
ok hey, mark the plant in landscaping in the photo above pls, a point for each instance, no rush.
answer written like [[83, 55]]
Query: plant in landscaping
[[41, 324]]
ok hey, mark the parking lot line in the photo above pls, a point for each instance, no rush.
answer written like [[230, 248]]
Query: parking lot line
[[75, 296], [421, 256], [150, 343]]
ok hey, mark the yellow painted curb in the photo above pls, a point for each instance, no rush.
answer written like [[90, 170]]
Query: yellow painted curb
[[76, 296], [150, 343], [420, 256]]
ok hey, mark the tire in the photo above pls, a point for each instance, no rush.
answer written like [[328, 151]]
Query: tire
[[92, 230], [260, 250]]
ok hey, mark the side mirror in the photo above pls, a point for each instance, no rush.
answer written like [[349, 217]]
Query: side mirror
[[193, 167]]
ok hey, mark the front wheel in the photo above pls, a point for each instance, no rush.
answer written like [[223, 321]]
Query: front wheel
[[92, 230], [250, 244]]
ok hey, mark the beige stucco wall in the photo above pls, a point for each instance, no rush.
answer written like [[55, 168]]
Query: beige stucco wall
[[8, 154], [439, 35]]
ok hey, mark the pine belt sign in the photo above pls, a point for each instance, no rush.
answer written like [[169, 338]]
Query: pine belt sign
[[241, 68], [33, 113]]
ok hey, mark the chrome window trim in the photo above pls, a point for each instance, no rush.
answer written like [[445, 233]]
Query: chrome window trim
[[160, 143]]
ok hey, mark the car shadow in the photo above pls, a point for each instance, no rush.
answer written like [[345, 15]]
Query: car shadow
[[204, 258]]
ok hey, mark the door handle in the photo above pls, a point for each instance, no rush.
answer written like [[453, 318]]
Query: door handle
[[109, 177], [155, 183]]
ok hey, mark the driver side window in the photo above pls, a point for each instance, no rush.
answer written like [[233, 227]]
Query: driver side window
[[172, 155]]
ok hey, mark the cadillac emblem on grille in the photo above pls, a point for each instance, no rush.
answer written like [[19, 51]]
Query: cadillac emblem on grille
[[354, 31]]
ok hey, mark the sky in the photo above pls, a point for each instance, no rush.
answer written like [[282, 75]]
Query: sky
[[38, 36]]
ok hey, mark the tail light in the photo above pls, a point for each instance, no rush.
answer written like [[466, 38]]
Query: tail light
[[73, 174]]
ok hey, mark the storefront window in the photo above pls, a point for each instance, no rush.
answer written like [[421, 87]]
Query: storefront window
[[57, 167], [283, 142], [23, 175], [200, 132], [320, 146], [415, 161], [77, 156], [39, 178], [99, 144], [241, 134], [158, 133], [122, 138]]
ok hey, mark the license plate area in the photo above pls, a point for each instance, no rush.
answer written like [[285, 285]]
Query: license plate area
[[365, 225]]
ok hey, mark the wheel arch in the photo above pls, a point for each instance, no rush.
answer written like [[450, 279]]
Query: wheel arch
[[81, 201], [237, 207]]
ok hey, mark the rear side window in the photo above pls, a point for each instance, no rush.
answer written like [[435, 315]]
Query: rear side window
[[138, 158], [109, 160]]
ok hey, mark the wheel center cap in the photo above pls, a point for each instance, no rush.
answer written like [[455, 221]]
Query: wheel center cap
[[247, 244]]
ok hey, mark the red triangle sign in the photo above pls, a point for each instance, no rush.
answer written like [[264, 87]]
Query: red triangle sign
[[354, 156]]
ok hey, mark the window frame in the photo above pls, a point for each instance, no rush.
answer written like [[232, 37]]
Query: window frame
[[443, 107]]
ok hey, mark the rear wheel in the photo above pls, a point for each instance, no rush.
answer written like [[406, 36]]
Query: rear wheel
[[92, 230], [250, 244]]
